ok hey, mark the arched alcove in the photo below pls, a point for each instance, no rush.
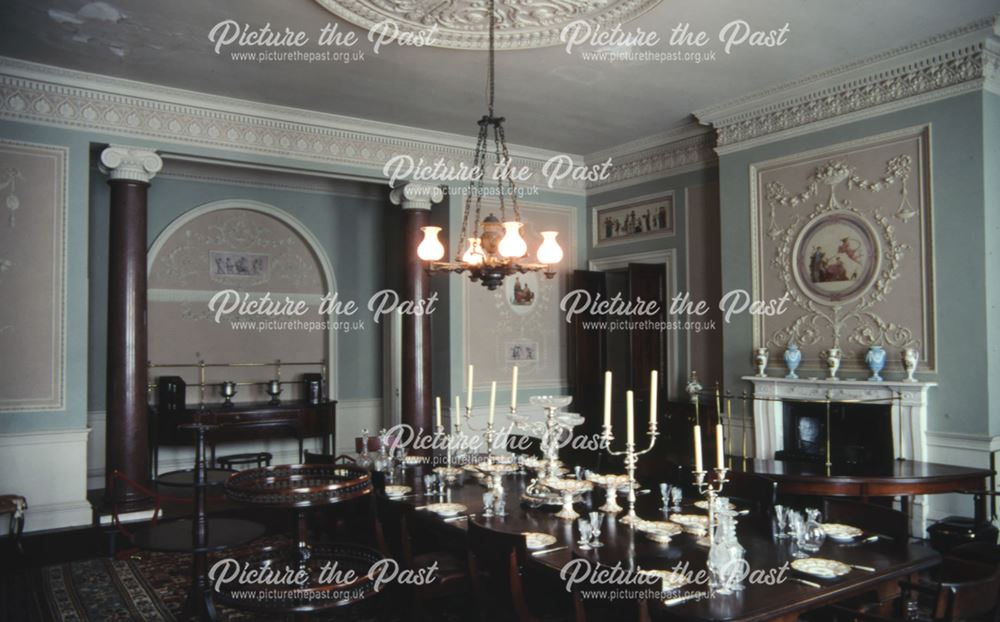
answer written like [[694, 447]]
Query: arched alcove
[[252, 249]]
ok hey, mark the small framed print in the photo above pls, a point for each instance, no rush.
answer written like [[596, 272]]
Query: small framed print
[[238, 264], [642, 218], [521, 351]]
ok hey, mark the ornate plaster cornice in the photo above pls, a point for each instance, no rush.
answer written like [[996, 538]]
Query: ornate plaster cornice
[[463, 24], [54, 96], [120, 162], [677, 151], [955, 62]]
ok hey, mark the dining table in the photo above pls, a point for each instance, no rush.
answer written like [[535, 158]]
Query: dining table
[[877, 562]]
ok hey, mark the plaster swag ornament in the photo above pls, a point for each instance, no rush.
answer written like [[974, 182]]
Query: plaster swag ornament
[[464, 24], [848, 314]]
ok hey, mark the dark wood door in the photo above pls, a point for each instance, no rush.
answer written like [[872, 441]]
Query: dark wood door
[[586, 363], [647, 339]]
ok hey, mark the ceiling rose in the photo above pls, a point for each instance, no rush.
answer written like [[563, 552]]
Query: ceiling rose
[[464, 24]]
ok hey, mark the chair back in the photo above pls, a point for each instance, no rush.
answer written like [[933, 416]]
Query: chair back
[[393, 520], [496, 560], [972, 591], [878, 519], [318, 458], [759, 492]]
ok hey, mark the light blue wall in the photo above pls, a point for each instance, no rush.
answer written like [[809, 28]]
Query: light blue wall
[[348, 222], [678, 241], [961, 402]]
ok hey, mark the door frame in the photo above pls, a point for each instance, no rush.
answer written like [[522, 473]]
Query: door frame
[[668, 258]]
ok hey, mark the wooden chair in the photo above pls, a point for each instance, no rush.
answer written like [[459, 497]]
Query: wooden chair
[[879, 519], [966, 591], [317, 458], [497, 567], [759, 492], [611, 610], [452, 578]]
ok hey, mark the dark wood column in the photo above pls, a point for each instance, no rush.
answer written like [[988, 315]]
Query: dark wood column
[[127, 439], [416, 200]]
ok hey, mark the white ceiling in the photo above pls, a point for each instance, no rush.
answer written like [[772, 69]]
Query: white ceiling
[[551, 99]]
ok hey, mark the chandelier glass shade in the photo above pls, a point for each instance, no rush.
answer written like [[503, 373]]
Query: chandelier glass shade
[[491, 248]]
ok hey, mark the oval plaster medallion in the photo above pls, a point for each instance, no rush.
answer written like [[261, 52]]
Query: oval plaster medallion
[[464, 24]]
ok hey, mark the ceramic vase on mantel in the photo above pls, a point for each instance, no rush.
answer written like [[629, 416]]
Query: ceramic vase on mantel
[[876, 362], [832, 357], [760, 360], [910, 359], [793, 357]]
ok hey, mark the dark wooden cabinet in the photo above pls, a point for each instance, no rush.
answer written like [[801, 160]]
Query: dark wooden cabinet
[[248, 421]]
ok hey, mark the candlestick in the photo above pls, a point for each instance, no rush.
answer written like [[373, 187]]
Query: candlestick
[[652, 397], [493, 400], [729, 422], [697, 448], [718, 406], [744, 435], [513, 390], [468, 399], [630, 419], [607, 401], [457, 419], [437, 403], [720, 460], [711, 489]]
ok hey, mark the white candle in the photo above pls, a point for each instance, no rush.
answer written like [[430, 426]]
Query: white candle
[[652, 398], [630, 419], [718, 446], [468, 394], [493, 399], [457, 417], [513, 389], [697, 448], [437, 403], [607, 400]]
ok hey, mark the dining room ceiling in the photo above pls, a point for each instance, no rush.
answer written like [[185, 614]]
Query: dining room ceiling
[[552, 99]]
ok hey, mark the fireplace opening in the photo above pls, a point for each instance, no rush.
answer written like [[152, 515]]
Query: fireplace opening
[[860, 434]]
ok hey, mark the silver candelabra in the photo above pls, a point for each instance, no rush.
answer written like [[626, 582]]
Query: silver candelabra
[[631, 459]]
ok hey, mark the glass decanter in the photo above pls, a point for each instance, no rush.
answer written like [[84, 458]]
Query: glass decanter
[[811, 536], [364, 460]]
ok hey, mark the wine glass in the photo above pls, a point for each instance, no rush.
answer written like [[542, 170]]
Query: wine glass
[[585, 531], [676, 496], [487, 505], [595, 530], [780, 522], [665, 496]]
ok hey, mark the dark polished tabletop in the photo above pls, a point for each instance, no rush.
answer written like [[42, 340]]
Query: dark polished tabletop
[[630, 549]]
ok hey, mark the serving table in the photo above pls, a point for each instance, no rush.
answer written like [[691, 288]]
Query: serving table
[[622, 544]]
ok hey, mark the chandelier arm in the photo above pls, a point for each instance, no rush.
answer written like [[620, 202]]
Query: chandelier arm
[[510, 179]]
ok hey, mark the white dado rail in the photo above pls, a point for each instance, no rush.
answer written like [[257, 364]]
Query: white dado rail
[[909, 411]]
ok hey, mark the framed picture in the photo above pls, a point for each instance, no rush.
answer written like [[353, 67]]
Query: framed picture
[[521, 351], [836, 257], [238, 264], [521, 292], [642, 218]]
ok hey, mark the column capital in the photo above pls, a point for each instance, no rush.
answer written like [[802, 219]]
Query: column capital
[[416, 195], [120, 162]]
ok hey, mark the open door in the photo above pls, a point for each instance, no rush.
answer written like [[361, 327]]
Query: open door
[[647, 346], [586, 350]]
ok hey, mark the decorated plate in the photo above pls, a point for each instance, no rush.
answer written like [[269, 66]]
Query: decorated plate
[[538, 540], [703, 505], [671, 529], [671, 580], [841, 533], [822, 568], [397, 491], [447, 509]]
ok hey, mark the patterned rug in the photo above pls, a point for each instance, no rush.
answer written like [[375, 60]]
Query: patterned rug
[[154, 586]]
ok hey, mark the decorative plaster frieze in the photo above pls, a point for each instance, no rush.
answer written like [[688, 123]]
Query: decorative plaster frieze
[[463, 24], [677, 155], [120, 162], [942, 66], [54, 96]]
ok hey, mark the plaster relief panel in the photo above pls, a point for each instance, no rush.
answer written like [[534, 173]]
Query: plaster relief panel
[[845, 234], [32, 272]]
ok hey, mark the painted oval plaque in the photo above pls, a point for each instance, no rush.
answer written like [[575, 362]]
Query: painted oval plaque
[[836, 258]]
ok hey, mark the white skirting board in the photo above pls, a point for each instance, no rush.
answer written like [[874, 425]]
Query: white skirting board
[[352, 416], [970, 450], [49, 470]]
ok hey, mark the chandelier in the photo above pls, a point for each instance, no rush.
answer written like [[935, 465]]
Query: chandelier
[[492, 248]]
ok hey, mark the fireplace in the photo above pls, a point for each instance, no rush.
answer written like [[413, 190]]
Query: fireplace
[[860, 434]]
